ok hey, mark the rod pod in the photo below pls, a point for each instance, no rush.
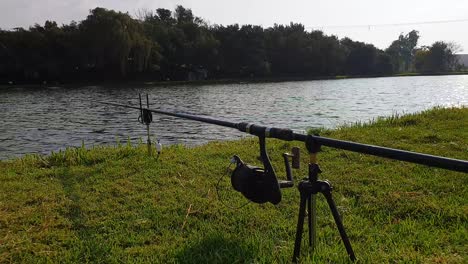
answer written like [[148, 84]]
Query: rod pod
[[309, 188]]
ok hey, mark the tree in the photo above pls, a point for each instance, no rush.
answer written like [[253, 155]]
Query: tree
[[177, 45], [420, 59], [183, 15], [408, 44], [402, 51], [383, 64], [360, 59], [115, 41], [440, 57]]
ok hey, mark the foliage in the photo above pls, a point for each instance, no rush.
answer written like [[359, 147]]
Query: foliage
[[177, 45], [118, 205], [440, 57], [402, 51], [114, 42], [364, 59], [166, 45]]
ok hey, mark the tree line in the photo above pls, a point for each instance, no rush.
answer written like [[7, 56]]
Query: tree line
[[176, 45]]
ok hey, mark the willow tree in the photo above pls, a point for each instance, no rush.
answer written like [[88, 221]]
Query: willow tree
[[114, 41]]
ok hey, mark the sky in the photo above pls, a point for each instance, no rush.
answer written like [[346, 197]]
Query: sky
[[334, 17]]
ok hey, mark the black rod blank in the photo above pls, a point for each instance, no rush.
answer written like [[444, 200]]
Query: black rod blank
[[288, 134]]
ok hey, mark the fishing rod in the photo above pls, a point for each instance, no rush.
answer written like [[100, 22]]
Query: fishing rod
[[289, 135], [261, 185]]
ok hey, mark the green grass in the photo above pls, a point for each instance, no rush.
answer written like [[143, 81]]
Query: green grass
[[431, 73], [116, 204]]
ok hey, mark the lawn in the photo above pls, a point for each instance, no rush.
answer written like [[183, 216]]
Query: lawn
[[114, 204]]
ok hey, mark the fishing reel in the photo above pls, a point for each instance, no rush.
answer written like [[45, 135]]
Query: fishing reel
[[260, 185]]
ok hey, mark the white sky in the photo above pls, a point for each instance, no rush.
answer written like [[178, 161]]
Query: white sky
[[312, 13]]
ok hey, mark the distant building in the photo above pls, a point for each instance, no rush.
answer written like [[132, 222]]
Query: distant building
[[463, 60]]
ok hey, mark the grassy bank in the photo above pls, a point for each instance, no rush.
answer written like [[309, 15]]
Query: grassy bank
[[116, 204]]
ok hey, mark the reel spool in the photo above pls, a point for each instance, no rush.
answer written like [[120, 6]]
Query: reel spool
[[260, 185]]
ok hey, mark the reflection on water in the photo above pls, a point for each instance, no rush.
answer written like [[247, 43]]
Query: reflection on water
[[40, 120]]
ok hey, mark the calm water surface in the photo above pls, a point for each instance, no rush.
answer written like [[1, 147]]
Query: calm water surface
[[41, 120]]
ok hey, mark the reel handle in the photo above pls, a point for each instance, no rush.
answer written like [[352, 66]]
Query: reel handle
[[295, 164]]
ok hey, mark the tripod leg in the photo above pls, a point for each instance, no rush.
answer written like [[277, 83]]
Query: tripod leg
[[300, 228], [339, 224], [309, 218], [312, 220]]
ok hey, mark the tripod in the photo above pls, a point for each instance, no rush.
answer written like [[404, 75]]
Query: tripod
[[308, 188]]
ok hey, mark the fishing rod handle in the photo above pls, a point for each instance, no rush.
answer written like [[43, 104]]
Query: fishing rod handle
[[269, 132]]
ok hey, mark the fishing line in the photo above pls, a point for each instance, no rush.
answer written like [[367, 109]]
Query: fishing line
[[391, 24]]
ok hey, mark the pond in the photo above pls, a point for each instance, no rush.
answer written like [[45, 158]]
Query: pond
[[41, 120]]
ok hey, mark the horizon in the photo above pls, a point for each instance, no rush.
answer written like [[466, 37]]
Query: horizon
[[370, 24]]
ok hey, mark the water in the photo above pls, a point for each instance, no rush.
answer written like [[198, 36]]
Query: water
[[41, 120]]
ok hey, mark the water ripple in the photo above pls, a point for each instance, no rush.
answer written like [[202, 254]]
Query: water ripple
[[40, 120]]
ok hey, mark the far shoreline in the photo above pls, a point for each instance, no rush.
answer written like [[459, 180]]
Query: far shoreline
[[221, 81]]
